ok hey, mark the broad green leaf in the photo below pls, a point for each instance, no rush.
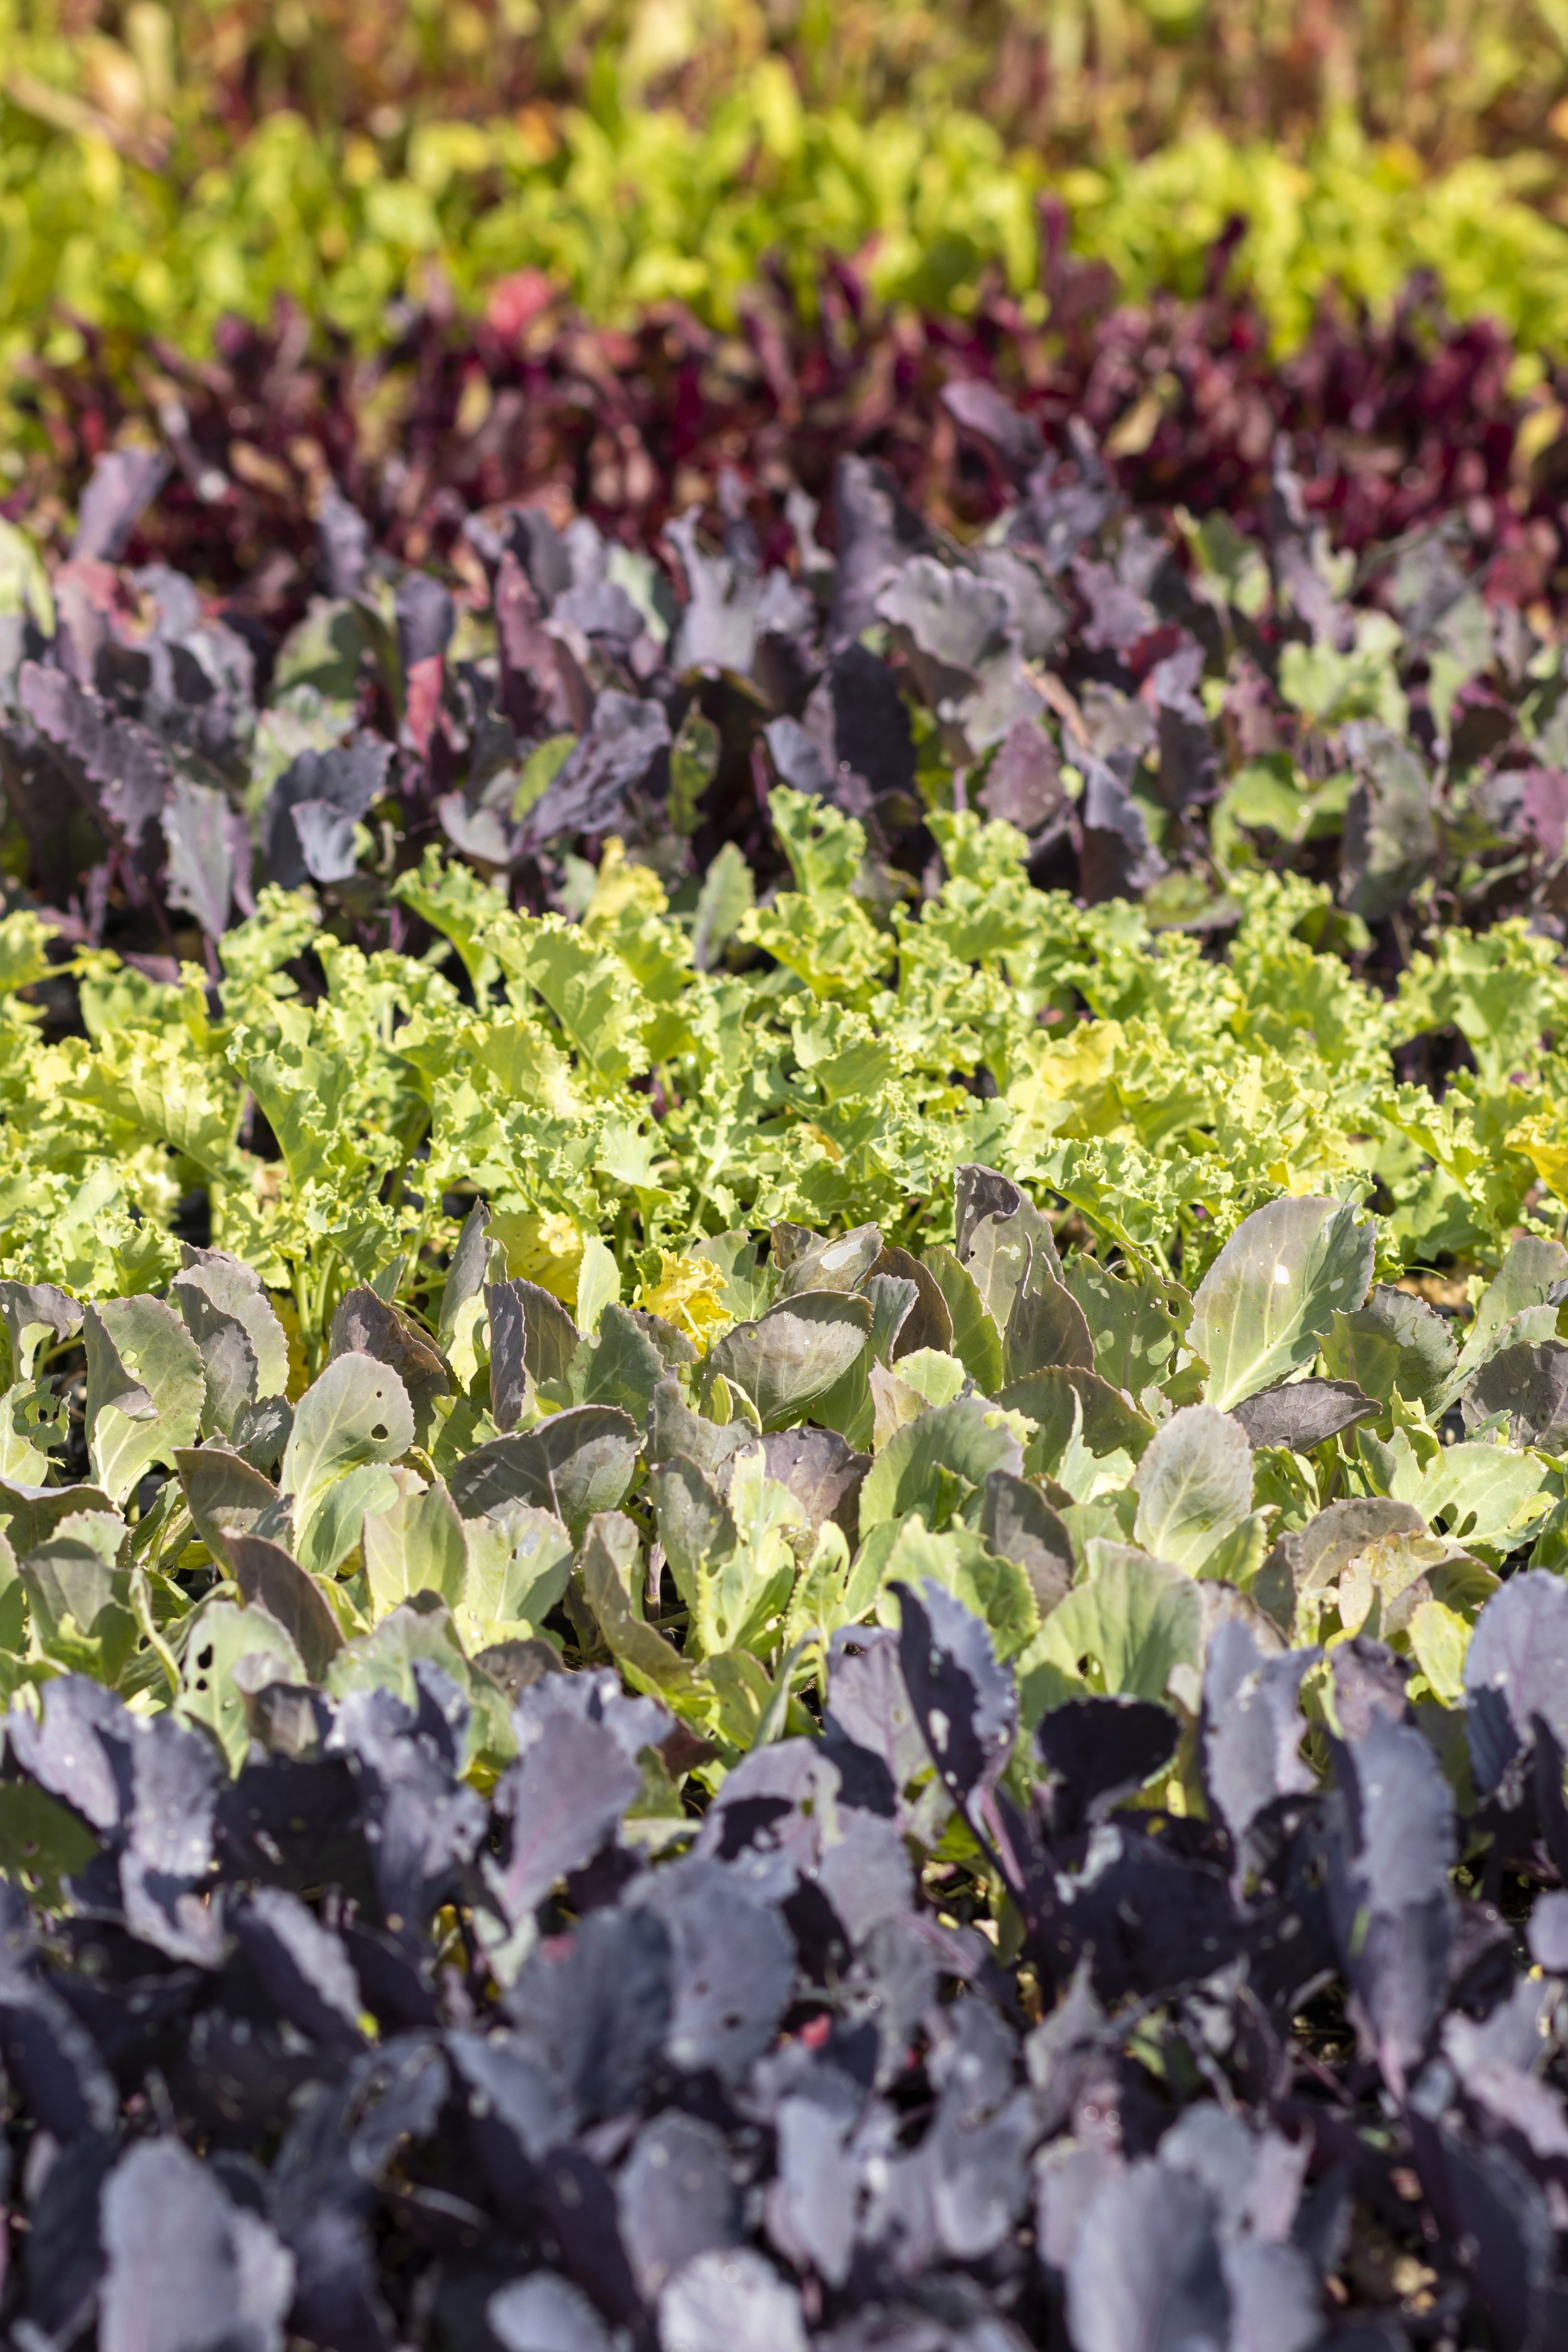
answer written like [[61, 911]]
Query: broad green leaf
[[145, 1390], [798, 1352], [934, 1462], [221, 1639], [1134, 1321], [356, 1412], [269, 1579], [416, 1546], [574, 1464], [1395, 1342], [328, 1532], [621, 1366], [519, 1559], [1194, 1485], [1274, 1290], [976, 1342], [226, 1494], [612, 1560], [1128, 1628]]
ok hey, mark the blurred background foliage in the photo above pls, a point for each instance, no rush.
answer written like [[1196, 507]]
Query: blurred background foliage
[[161, 166]]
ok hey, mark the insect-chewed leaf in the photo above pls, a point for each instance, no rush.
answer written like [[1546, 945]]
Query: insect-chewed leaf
[[1394, 1341], [1194, 1484], [33, 1312], [364, 1323], [1134, 1622], [1517, 1668], [146, 1388], [269, 1576], [976, 1341], [416, 1546], [183, 2265], [935, 1460], [573, 1463], [694, 1523], [1273, 1291], [357, 1412], [1531, 1386], [1299, 1414], [795, 1355], [221, 1639]]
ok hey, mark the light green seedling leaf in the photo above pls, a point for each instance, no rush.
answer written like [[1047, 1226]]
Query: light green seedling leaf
[[934, 1463], [332, 1528], [417, 1545], [518, 1561], [146, 1388], [1274, 1290], [357, 1413], [995, 1589], [598, 1284], [611, 1559], [1439, 1638], [976, 1341], [727, 898], [1194, 1485], [1127, 1629]]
